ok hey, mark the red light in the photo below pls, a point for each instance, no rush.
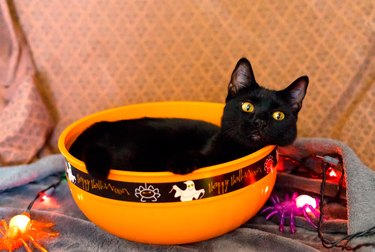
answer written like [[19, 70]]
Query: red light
[[331, 172]]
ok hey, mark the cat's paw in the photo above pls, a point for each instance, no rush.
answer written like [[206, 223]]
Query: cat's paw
[[185, 163], [97, 171], [97, 161]]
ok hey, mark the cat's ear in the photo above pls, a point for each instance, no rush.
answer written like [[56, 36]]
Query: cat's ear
[[242, 76], [295, 92]]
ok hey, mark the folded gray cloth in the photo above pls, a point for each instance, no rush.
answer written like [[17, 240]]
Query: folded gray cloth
[[13, 176]]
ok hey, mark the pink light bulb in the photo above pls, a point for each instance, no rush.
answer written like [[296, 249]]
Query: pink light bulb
[[305, 199]]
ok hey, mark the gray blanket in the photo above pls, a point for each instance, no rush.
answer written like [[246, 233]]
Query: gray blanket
[[20, 184]]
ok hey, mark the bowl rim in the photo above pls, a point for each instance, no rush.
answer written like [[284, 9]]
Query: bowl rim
[[78, 164]]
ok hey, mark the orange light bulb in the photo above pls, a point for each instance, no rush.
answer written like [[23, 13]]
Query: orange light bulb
[[21, 222]]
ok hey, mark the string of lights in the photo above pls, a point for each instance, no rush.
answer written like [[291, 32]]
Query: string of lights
[[22, 228], [329, 169], [342, 243], [46, 192]]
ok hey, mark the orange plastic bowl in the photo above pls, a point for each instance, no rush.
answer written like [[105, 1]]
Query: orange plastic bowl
[[162, 207]]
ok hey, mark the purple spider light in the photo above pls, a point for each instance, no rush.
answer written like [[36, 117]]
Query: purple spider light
[[297, 205]]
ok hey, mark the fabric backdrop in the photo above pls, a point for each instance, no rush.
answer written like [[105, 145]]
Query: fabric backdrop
[[98, 54]]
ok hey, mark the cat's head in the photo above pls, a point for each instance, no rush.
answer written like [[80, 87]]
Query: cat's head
[[255, 116]]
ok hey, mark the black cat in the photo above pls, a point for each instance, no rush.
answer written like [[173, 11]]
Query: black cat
[[253, 118]]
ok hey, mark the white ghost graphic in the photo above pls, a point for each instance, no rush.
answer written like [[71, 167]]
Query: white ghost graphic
[[71, 177], [189, 193]]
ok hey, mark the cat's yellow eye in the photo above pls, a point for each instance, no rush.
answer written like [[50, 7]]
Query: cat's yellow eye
[[278, 115], [247, 107]]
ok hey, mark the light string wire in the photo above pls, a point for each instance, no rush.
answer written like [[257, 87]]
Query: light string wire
[[328, 161], [331, 244], [42, 192]]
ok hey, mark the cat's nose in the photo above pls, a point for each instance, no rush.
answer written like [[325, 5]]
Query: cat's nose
[[260, 123]]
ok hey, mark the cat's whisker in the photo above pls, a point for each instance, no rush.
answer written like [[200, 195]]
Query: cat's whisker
[[230, 131]]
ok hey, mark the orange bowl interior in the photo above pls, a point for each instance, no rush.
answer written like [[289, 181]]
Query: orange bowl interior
[[169, 222]]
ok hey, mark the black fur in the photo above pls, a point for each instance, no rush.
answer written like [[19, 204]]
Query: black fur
[[182, 145]]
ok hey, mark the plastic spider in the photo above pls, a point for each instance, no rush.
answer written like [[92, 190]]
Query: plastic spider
[[21, 231], [290, 207]]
